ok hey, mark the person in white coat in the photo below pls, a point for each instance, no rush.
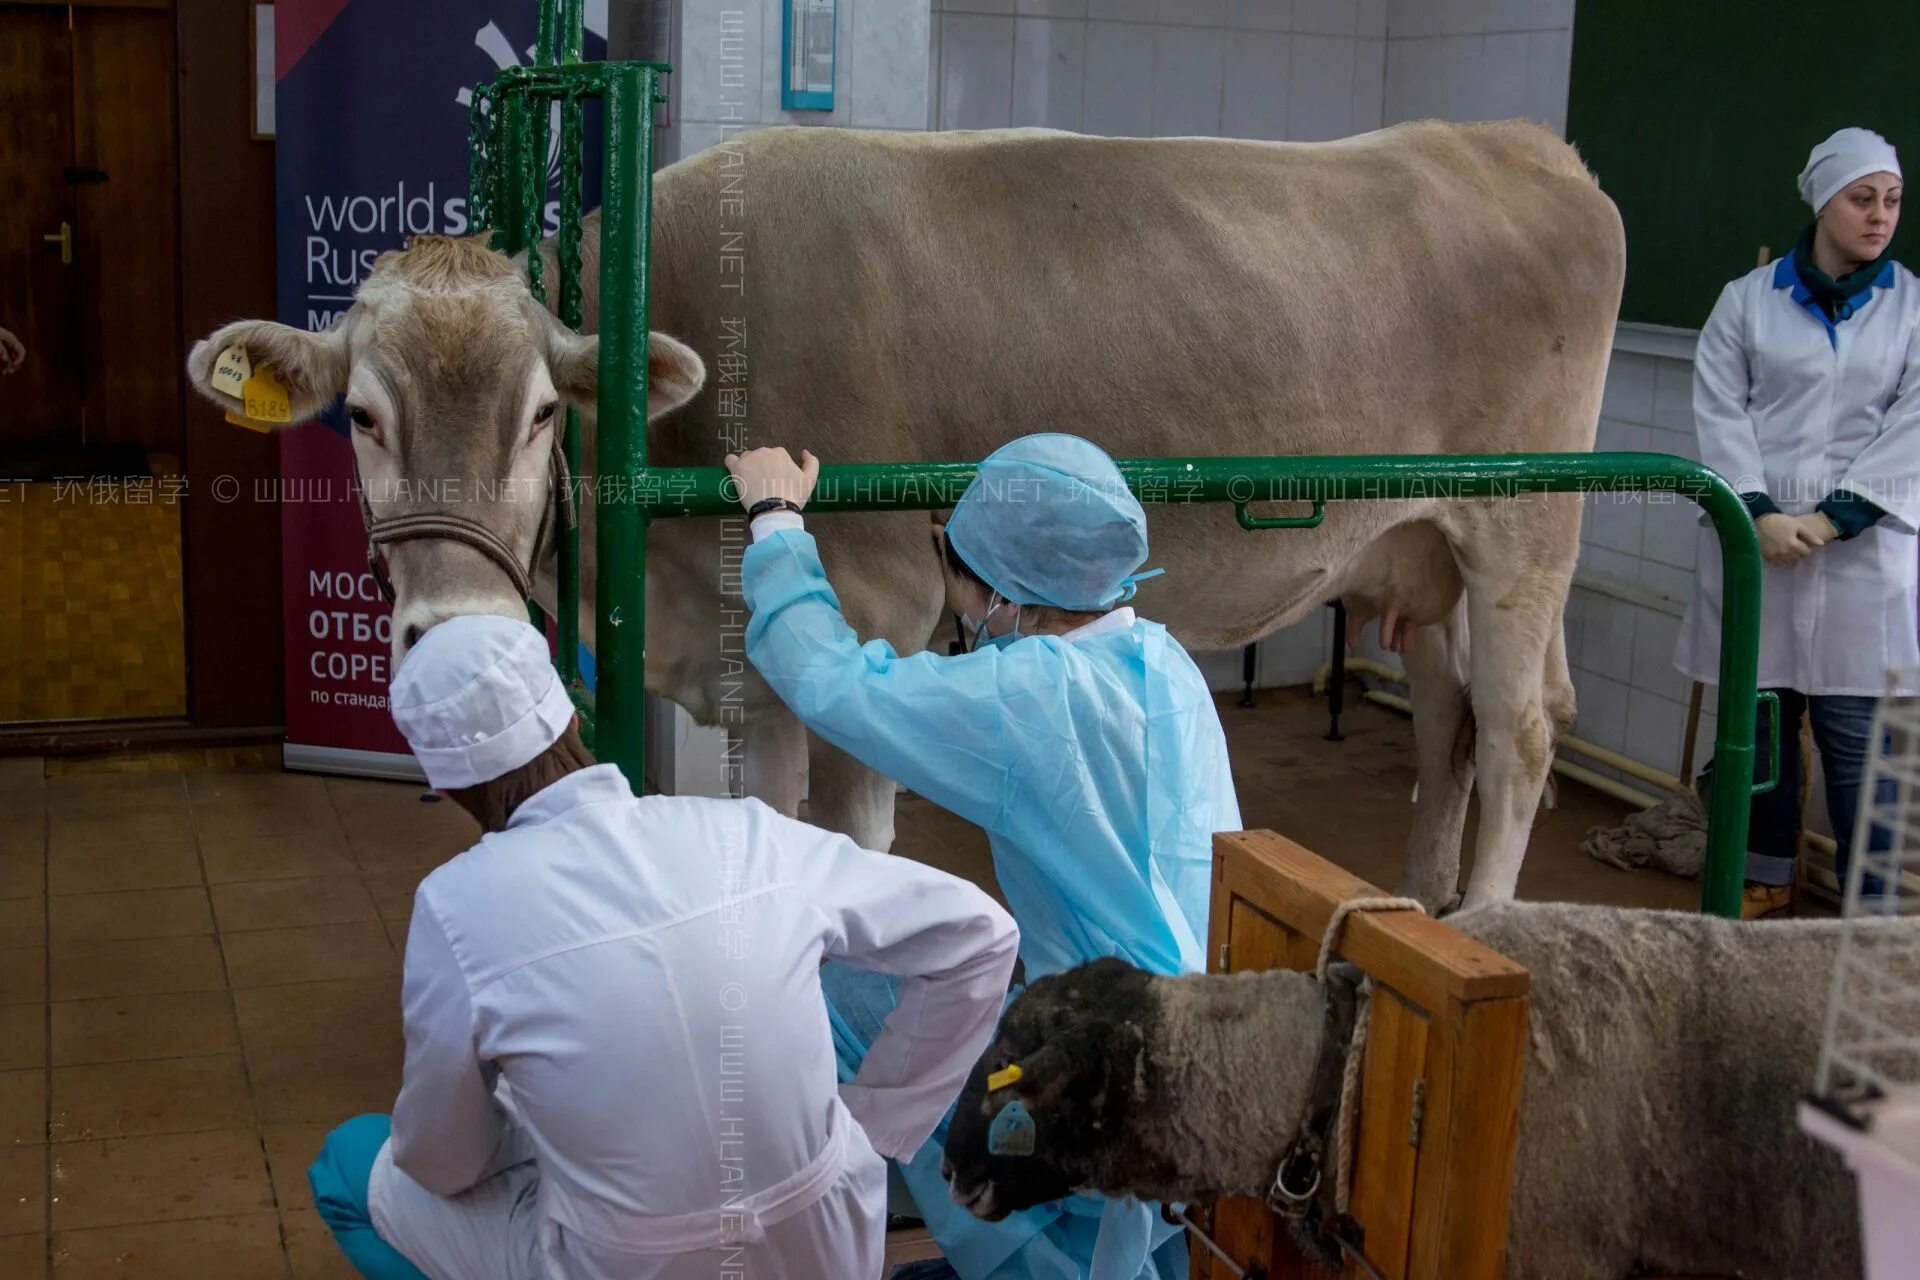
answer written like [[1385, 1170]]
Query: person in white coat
[[618, 1060], [1807, 399]]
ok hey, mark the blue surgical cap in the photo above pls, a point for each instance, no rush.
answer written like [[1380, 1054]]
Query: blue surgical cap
[[1048, 520]]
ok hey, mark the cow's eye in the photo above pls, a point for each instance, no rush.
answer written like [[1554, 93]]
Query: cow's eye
[[545, 412], [361, 418]]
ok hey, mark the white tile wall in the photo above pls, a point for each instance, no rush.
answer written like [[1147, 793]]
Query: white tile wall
[[1119, 80], [1259, 70], [882, 65], [1189, 70], [1049, 72], [1202, 67], [976, 72]]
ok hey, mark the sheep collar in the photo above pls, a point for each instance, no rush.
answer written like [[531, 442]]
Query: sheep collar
[[1303, 1190]]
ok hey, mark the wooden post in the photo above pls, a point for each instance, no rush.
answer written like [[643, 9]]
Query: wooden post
[[1440, 1091]]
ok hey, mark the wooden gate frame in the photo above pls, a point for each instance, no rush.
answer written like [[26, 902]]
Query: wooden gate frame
[[1440, 1093]]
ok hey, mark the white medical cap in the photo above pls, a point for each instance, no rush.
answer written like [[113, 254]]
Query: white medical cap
[[1841, 161], [477, 698]]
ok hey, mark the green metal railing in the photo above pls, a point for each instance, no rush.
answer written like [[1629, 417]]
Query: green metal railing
[[508, 175]]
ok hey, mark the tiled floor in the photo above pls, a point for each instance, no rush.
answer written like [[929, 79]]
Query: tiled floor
[[199, 973], [91, 576]]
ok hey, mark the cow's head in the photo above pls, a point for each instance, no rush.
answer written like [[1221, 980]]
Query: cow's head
[[1055, 1091], [454, 379]]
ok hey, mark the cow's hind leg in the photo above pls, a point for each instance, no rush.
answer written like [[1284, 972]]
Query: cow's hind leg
[[1518, 569], [846, 796], [1437, 672]]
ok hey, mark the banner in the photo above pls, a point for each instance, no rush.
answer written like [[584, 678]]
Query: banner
[[371, 105]]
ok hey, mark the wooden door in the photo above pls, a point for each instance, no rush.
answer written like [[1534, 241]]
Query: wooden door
[[99, 312], [39, 403], [127, 219]]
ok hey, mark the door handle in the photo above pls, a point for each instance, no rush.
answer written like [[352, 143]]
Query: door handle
[[65, 241]]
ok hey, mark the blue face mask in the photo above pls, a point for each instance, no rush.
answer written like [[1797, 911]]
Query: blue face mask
[[978, 630]]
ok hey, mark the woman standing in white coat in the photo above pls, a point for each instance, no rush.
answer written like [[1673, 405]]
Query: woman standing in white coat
[[1806, 396]]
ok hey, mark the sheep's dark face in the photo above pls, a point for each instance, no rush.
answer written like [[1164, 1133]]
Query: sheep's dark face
[[1079, 1041]]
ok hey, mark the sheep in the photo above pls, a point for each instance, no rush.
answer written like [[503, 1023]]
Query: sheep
[[1667, 1054]]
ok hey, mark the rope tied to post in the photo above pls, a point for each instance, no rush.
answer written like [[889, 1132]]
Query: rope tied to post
[[1348, 1115]]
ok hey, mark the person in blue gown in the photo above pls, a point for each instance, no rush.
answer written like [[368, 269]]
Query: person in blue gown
[[1078, 734]]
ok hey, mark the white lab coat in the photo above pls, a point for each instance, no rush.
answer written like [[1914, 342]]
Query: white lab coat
[[626, 993], [1779, 407]]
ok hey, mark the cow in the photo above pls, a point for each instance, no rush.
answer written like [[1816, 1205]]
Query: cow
[[896, 297]]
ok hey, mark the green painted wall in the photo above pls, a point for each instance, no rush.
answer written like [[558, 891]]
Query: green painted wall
[[1698, 115]]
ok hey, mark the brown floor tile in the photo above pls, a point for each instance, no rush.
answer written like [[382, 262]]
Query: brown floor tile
[[290, 1149], [23, 922], [95, 792], [23, 835], [288, 904], [187, 1175], [397, 934], [311, 1248], [84, 831], [245, 1247], [316, 953], [141, 866], [137, 1099], [23, 875], [23, 1036], [23, 1108], [131, 913], [393, 892], [251, 821], [137, 966], [23, 1189], [409, 847], [25, 1257], [22, 771], [184, 1024], [23, 975], [217, 789], [286, 857], [322, 1051]]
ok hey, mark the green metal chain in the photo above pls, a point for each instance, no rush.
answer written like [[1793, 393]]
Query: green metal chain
[[482, 134], [572, 144], [533, 160]]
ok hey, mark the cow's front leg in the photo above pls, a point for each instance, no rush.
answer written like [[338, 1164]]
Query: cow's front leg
[[773, 747], [844, 795]]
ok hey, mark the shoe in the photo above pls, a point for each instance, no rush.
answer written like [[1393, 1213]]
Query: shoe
[[1762, 900]]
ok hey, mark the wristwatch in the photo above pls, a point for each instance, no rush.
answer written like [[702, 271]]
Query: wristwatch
[[765, 505]]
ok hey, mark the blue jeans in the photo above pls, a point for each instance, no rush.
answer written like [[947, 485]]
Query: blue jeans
[[1842, 725]]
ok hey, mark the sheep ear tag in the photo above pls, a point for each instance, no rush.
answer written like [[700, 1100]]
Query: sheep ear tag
[[1012, 1132], [1005, 1076]]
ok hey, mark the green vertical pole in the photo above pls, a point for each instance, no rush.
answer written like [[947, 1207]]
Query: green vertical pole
[[1724, 876], [621, 544]]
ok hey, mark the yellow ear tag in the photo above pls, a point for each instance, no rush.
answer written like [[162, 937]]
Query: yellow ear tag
[[1007, 1075], [231, 371], [266, 399], [248, 423]]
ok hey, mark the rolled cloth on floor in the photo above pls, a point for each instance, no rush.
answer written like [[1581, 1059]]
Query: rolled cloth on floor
[[1670, 837]]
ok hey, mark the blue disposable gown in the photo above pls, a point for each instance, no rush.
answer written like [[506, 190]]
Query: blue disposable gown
[[1098, 768]]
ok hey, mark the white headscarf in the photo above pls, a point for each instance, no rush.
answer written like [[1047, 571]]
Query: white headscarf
[[1841, 161], [477, 698]]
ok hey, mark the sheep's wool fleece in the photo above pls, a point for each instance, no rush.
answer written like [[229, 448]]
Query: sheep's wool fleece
[[1668, 1053]]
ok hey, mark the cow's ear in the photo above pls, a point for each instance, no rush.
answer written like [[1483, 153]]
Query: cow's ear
[[674, 372], [311, 366]]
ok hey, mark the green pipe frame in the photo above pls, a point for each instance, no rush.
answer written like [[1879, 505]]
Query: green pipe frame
[[616, 714]]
